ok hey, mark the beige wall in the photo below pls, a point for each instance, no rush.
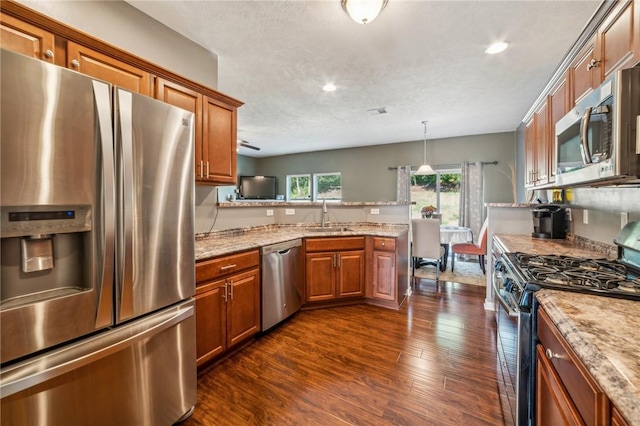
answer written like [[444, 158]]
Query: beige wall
[[124, 26], [365, 170]]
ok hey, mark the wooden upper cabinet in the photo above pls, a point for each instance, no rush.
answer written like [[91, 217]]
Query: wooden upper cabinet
[[215, 131], [219, 139], [559, 106], [619, 39], [21, 37], [584, 72], [529, 153], [190, 100], [103, 67], [542, 144]]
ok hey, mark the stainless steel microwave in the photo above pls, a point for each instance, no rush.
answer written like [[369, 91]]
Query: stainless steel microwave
[[598, 142]]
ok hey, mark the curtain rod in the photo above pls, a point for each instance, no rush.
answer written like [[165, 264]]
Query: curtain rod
[[446, 166]]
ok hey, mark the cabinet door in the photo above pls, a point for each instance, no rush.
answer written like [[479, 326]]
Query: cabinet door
[[190, 100], [553, 403], [211, 326], [219, 141], [24, 38], [618, 45], [103, 67], [384, 275], [320, 276], [584, 77], [541, 145], [529, 153], [243, 306], [558, 107], [350, 273]]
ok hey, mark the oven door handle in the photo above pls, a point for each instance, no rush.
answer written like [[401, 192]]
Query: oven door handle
[[510, 311]]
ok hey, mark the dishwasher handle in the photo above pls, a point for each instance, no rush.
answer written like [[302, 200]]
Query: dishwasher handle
[[281, 248]]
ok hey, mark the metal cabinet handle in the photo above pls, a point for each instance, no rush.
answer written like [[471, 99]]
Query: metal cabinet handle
[[75, 63], [593, 64], [339, 260], [231, 289], [48, 54], [334, 260], [224, 268], [207, 169], [224, 295], [383, 244], [201, 169], [551, 355]]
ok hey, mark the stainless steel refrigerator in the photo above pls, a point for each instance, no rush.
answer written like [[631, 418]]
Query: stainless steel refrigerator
[[97, 257]]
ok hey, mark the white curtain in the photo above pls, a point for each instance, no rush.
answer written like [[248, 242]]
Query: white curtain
[[472, 197], [403, 187]]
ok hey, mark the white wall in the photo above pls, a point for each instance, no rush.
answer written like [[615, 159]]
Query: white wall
[[124, 26]]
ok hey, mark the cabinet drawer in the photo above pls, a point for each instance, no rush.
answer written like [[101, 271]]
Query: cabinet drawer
[[587, 396], [219, 267], [334, 244], [380, 243]]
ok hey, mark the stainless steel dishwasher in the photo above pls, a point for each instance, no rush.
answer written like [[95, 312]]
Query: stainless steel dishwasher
[[281, 281]]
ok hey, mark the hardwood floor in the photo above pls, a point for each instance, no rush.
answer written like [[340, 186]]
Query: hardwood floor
[[431, 363]]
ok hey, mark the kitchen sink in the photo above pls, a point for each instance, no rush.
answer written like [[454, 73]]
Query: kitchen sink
[[329, 229]]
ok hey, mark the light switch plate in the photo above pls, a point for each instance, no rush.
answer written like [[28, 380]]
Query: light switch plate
[[585, 216], [269, 212], [375, 211], [568, 213], [624, 218], [290, 212]]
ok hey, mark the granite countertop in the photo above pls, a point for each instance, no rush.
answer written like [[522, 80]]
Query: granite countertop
[[604, 332], [233, 241], [568, 247]]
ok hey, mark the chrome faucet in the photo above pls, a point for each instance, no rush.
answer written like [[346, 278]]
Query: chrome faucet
[[325, 214]]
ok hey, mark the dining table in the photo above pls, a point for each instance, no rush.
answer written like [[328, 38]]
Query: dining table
[[452, 234]]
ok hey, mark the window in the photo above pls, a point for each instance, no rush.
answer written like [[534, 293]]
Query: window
[[441, 190], [298, 187], [327, 186]]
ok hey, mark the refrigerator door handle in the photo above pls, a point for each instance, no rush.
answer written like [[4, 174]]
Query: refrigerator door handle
[[24, 377], [102, 99], [124, 149]]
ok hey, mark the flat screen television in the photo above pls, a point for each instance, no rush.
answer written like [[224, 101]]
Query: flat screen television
[[258, 187]]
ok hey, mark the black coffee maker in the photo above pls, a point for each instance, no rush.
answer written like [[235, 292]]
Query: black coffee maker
[[548, 222]]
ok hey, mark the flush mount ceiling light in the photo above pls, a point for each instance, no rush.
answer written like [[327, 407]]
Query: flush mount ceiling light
[[497, 47], [329, 87], [425, 169], [363, 11]]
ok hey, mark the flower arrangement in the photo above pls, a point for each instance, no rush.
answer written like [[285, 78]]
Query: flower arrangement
[[427, 211]]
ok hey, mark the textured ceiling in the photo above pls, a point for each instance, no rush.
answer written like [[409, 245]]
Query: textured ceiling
[[421, 60]]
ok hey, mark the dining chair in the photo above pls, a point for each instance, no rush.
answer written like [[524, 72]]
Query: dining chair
[[479, 248], [425, 235]]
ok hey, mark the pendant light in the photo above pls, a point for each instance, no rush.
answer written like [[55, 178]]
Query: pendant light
[[363, 11], [425, 169]]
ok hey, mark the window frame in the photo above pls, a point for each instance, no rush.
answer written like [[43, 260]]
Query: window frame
[[288, 187], [315, 187]]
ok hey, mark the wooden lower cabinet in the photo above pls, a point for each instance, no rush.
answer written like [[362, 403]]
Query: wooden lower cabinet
[[333, 269], [566, 393], [384, 274], [227, 303]]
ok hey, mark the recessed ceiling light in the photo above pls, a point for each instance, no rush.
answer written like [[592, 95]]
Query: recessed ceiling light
[[329, 87], [496, 48]]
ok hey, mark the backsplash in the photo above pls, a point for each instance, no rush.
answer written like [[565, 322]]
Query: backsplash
[[608, 250]]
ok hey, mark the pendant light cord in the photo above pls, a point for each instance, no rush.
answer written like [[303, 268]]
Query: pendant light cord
[[425, 141]]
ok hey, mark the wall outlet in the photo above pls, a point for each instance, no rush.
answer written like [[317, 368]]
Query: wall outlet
[[269, 212], [585, 216], [568, 214], [624, 218], [290, 212], [375, 211]]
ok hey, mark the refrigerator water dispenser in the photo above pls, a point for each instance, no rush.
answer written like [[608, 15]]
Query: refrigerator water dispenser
[[37, 253]]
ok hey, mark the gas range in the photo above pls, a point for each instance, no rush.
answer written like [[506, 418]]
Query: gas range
[[603, 277]]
